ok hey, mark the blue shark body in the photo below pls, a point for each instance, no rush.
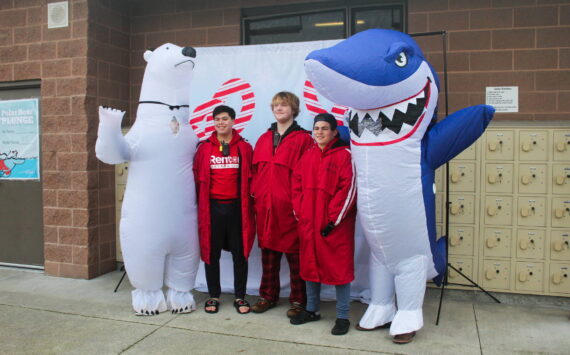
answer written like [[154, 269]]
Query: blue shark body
[[397, 145]]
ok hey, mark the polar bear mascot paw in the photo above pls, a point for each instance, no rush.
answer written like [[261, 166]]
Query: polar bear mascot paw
[[148, 303], [180, 302]]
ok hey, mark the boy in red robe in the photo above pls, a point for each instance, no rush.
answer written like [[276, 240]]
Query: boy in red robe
[[275, 155]]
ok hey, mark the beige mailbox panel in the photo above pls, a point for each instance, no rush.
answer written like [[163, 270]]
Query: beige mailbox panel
[[499, 145], [560, 245], [559, 278], [468, 154], [561, 145], [439, 231], [561, 212], [121, 173], [497, 242], [561, 179], [532, 211], [461, 209], [439, 201], [498, 210], [462, 177], [119, 195], [532, 178], [529, 277], [533, 145], [439, 178], [499, 178], [530, 244], [461, 240], [496, 274], [464, 265]]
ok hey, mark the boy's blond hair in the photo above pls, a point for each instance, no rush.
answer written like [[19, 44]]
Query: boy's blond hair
[[289, 98]]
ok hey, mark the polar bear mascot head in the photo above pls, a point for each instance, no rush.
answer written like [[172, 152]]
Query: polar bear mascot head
[[167, 78]]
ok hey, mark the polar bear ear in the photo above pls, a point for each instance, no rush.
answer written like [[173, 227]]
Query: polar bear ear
[[147, 55]]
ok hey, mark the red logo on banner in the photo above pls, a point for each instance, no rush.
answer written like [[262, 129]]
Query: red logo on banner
[[202, 121], [314, 107]]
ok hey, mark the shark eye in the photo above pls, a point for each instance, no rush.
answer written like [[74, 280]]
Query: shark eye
[[402, 60]]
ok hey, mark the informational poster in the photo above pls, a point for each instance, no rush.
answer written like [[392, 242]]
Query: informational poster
[[503, 98], [19, 140]]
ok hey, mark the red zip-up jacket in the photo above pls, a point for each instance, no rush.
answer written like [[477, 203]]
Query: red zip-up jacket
[[202, 178], [271, 187], [324, 192]]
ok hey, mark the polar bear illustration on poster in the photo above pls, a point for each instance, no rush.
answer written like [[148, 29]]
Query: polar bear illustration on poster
[[397, 144], [158, 228]]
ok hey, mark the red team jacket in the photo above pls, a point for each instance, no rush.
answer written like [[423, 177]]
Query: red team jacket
[[202, 179], [324, 191], [271, 188]]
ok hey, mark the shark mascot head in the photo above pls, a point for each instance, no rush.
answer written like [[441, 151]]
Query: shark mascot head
[[392, 93], [383, 76]]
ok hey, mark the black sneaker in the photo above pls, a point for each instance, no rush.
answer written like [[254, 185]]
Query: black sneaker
[[304, 316], [341, 327]]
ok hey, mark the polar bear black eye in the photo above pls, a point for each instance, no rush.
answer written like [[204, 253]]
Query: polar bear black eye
[[402, 60]]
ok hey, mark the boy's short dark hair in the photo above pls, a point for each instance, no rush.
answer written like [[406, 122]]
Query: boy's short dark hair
[[223, 108]]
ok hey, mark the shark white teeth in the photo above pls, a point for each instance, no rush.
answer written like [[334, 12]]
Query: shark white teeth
[[390, 118]]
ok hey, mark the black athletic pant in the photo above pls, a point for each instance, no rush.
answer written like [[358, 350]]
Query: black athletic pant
[[227, 235]]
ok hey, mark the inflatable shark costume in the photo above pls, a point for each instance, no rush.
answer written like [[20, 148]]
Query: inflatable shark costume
[[159, 231], [392, 91]]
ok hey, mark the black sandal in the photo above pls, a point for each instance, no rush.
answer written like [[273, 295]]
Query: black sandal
[[212, 303], [239, 302]]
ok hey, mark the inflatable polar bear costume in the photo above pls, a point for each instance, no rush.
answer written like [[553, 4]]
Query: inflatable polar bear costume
[[159, 234]]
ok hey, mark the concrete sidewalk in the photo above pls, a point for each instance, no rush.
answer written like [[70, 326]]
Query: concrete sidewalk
[[46, 315]]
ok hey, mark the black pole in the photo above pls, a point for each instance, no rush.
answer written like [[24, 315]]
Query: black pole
[[445, 274], [122, 277]]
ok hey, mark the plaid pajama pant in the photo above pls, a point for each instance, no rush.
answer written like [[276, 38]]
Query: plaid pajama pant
[[270, 283]]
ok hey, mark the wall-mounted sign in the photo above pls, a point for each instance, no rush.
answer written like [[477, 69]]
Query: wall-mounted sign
[[19, 140], [503, 98]]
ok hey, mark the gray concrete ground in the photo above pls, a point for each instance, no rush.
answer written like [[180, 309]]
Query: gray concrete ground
[[46, 315]]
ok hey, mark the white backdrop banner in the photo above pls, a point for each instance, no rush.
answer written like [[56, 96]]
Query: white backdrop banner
[[246, 78]]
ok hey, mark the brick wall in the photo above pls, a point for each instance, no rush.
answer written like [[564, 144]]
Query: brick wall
[[108, 78], [76, 68], [98, 60], [58, 57], [522, 43], [185, 23]]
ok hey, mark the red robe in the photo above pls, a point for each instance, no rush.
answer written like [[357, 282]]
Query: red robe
[[202, 179], [324, 191], [271, 188]]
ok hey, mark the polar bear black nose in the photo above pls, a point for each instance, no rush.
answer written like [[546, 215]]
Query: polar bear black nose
[[189, 52]]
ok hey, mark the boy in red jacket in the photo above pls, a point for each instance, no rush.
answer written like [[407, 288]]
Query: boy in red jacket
[[275, 155], [324, 195], [222, 171]]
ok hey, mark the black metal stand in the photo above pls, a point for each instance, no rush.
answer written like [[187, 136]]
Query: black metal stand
[[122, 277], [447, 203]]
